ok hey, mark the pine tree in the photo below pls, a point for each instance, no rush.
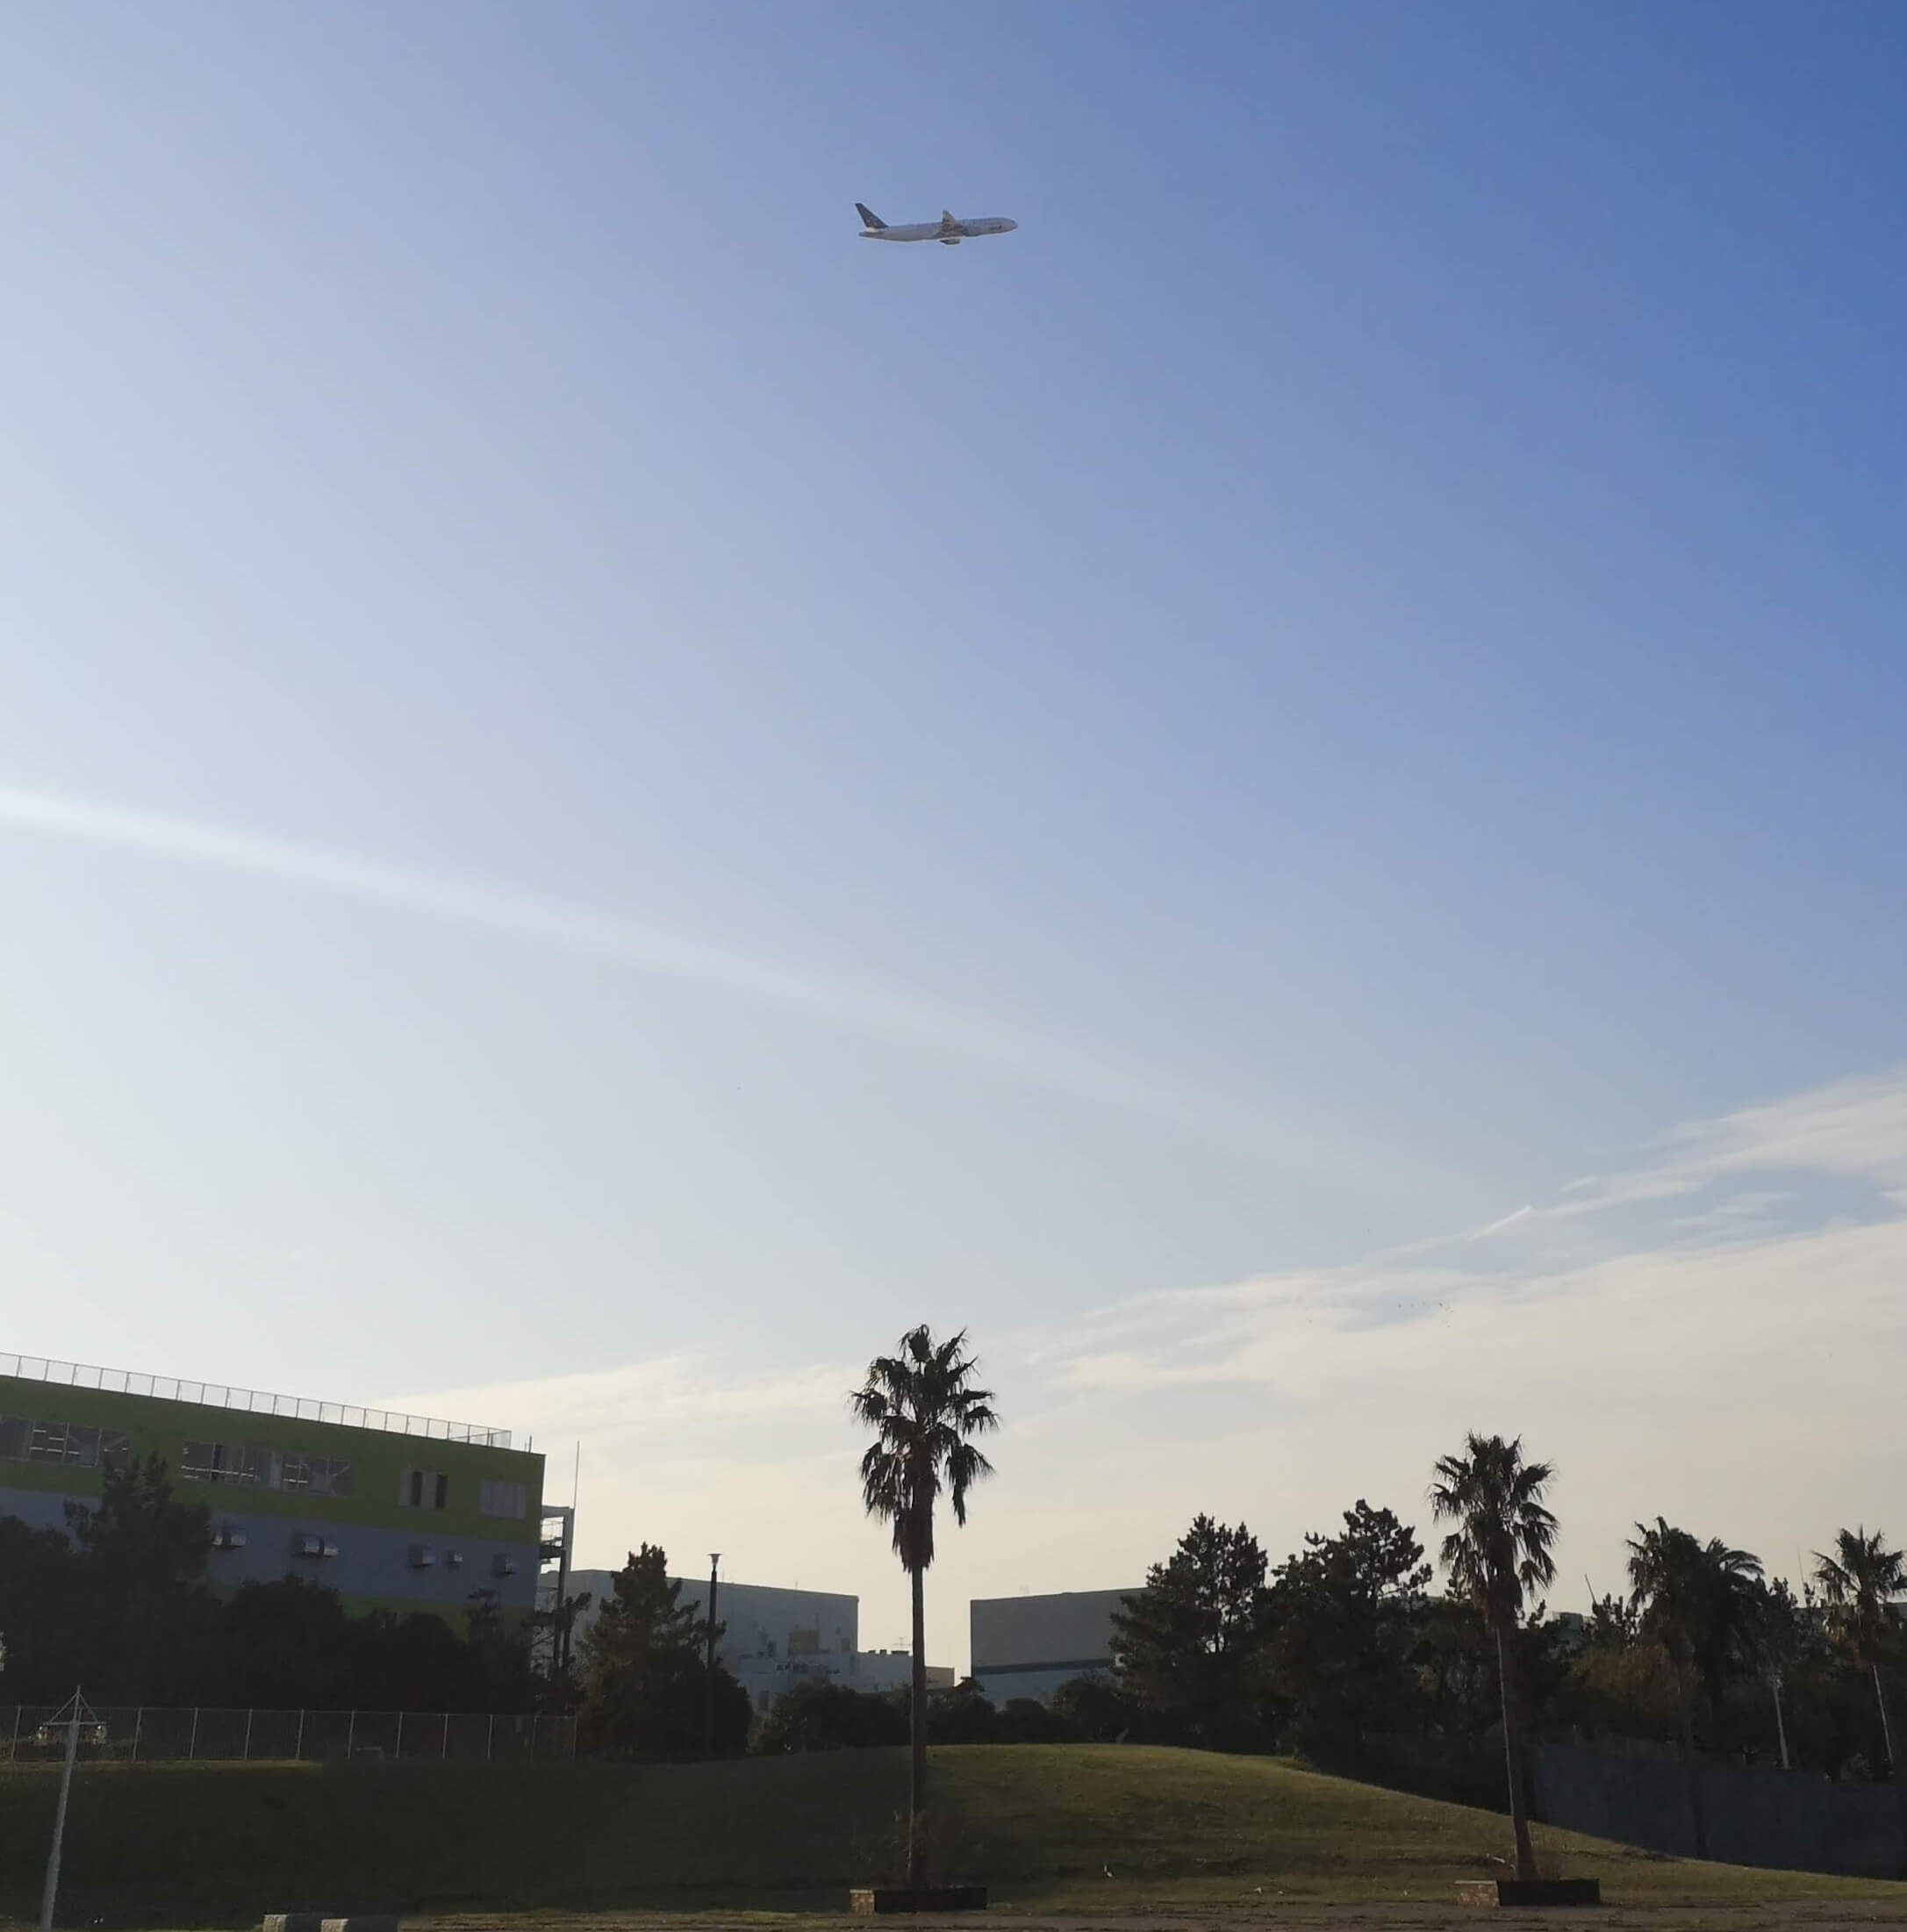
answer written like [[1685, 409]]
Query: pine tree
[[1187, 1644]]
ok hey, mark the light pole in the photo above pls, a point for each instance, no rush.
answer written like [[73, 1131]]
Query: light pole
[[709, 1708], [71, 1717]]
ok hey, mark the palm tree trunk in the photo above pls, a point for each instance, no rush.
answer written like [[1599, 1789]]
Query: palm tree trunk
[[1887, 1735], [1781, 1724], [917, 1741], [1519, 1817]]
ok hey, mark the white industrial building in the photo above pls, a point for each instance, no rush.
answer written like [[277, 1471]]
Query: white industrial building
[[1026, 1647], [774, 1639]]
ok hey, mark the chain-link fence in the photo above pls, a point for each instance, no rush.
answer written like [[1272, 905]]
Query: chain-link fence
[[150, 1734]]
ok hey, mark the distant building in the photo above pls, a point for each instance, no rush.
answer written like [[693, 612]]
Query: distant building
[[893, 1670], [391, 1511], [764, 1621], [1026, 1647], [774, 1639]]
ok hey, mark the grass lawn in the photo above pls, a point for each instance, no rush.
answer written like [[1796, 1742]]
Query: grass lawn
[[1180, 1831]]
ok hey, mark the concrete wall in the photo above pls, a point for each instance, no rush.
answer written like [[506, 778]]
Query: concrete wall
[[1791, 1820], [1029, 1646]]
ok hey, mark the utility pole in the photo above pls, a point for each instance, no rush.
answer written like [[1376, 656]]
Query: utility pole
[[708, 1709], [71, 1716]]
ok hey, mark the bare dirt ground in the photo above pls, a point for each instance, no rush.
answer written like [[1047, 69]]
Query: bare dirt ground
[[1813, 1914]]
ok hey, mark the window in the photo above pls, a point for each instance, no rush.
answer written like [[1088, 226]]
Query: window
[[423, 1489], [202, 1462], [84, 1444], [497, 1499], [260, 1467]]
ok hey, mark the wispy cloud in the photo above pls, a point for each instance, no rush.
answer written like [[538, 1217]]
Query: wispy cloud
[[666, 1395], [1840, 1149], [1851, 1129], [1733, 1358], [1505, 1223], [1100, 1076]]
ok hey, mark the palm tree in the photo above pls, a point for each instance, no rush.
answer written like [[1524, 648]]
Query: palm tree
[[1700, 1601], [1860, 1584], [1775, 1647], [924, 1410], [1697, 1600], [1497, 1553]]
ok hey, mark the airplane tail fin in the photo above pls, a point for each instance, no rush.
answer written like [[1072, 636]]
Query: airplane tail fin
[[868, 219]]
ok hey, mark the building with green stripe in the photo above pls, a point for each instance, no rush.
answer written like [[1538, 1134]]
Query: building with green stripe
[[388, 1510]]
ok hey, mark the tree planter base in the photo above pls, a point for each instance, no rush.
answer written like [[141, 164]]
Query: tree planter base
[[881, 1898], [1529, 1892], [325, 1921]]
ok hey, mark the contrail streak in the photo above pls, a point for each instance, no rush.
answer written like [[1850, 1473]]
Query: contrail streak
[[863, 1007]]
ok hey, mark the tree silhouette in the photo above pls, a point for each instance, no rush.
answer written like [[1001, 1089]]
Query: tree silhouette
[[1700, 1601], [646, 1682], [1777, 1641], [1185, 1645], [1342, 1618], [925, 1410], [1859, 1585], [1497, 1553]]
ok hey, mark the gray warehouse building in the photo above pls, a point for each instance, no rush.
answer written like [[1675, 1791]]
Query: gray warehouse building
[[773, 1639], [1026, 1647]]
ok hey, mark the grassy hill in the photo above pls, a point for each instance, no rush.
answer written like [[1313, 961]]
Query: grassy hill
[[211, 1845]]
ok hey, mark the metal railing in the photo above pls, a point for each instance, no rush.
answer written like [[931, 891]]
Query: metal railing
[[152, 1734], [211, 1395]]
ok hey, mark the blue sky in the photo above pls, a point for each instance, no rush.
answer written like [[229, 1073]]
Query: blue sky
[[1347, 676]]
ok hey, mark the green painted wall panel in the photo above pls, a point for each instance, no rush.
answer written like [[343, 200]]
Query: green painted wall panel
[[378, 1458]]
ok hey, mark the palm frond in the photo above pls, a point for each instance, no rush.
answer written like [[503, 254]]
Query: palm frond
[[1500, 1547], [924, 1409]]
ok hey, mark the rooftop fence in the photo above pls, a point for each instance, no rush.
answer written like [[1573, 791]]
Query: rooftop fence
[[213, 1394]]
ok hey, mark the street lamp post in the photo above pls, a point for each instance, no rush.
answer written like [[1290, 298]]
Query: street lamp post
[[72, 1716], [709, 1708]]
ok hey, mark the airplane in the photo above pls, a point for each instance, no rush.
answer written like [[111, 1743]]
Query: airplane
[[946, 230]]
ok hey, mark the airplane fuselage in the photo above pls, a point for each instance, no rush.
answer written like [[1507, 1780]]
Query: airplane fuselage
[[949, 233]]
